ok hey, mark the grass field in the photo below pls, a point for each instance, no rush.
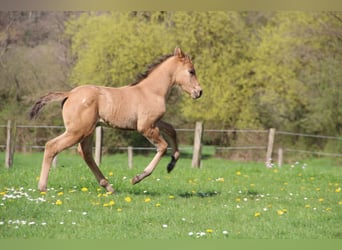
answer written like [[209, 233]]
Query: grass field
[[222, 200]]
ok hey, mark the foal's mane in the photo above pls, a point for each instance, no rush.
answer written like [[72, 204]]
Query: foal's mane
[[150, 68]]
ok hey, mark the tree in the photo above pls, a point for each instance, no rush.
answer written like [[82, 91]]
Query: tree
[[33, 59], [112, 48]]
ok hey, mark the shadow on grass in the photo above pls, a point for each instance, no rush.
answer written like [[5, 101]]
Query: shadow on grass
[[186, 195], [199, 194]]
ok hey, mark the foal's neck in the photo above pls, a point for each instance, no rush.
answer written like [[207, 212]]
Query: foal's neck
[[161, 79]]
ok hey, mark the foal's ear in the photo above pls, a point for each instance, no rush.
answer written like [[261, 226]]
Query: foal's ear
[[178, 52]]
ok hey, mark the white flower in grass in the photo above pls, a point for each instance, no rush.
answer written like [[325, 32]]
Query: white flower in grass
[[200, 234]]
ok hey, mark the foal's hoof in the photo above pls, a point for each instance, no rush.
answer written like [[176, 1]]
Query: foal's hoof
[[42, 188], [136, 179], [171, 165], [104, 183], [110, 189]]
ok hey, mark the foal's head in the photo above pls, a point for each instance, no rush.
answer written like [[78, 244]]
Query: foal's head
[[185, 75]]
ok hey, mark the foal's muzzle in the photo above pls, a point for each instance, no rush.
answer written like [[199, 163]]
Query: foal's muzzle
[[196, 93]]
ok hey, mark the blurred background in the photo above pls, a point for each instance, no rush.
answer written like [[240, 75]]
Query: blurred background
[[258, 70]]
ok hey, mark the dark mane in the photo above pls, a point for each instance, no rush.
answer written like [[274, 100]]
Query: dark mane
[[150, 68]]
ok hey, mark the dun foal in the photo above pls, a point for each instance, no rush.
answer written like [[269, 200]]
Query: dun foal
[[139, 106]]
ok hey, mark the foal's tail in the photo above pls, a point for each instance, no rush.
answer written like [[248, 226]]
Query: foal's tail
[[51, 97]]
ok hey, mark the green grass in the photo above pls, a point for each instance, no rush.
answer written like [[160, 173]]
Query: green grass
[[222, 200]]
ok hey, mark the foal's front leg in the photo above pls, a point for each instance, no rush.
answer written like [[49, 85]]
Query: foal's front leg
[[153, 135], [169, 130]]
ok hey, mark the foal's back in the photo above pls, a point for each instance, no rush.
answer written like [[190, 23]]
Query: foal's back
[[89, 105]]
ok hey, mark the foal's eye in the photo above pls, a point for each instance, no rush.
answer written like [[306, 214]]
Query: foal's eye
[[192, 72]]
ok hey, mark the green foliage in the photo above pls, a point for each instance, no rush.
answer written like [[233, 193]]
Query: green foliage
[[257, 70], [111, 49]]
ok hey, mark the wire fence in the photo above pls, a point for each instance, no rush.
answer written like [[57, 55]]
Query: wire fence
[[236, 144]]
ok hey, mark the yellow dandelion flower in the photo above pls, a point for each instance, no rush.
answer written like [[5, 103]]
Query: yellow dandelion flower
[[338, 190], [158, 205], [147, 199], [171, 197], [312, 178], [257, 214], [119, 209], [84, 189], [58, 202], [328, 209], [106, 205], [307, 206], [280, 212], [221, 179], [340, 203], [320, 199], [43, 193], [60, 193], [128, 199], [3, 193], [318, 189], [210, 231], [110, 174], [252, 185], [112, 203], [238, 173], [238, 199]]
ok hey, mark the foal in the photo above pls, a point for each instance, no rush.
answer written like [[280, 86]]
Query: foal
[[139, 106]]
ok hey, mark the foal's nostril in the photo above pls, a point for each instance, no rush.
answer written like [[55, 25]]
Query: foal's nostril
[[200, 93]]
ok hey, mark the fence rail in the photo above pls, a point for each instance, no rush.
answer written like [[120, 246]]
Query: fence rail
[[267, 141]]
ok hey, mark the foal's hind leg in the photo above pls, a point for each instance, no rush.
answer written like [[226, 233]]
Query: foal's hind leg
[[168, 129], [85, 150], [52, 148]]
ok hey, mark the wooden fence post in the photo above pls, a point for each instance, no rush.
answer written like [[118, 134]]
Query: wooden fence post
[[280, 157], [130, 156], [98, 145], [270, 148], [10, 143], [197, 153]]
